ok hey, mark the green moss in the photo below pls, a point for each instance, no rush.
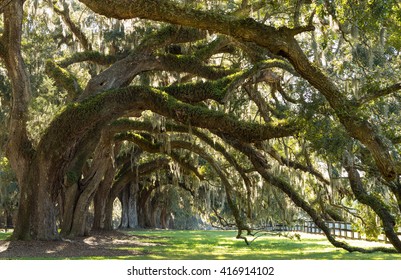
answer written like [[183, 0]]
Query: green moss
[[206, 50], [63, 79], [196, 92], [140, 140], [93, 56], [164, 104], [160, 36], [192, 64], [71, 123], [72, 177]]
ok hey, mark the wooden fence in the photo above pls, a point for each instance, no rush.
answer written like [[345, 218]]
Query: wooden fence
[[337, 229]]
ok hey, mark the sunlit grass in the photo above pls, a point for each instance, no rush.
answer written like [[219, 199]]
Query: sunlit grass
[[223, 245], [5, 235]]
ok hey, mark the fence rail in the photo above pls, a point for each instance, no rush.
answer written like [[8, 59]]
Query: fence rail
[[337, 229]]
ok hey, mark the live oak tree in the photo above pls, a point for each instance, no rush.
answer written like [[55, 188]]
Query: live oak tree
[[281, 42], [286, 106]]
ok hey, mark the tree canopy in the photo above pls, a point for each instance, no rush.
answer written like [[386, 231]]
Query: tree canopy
[[196, 113]]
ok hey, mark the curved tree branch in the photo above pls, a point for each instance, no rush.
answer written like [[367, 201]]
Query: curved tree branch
[[63, 79], [379, 93], [65, 15]]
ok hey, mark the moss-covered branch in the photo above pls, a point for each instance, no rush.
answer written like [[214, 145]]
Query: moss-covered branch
[[375, 94], [200, 91], [260, 72], [163, 104], [294, 164], [193, 65], [91, 56], [63, 79], [123, 71], [110, 104], [165, 36], [170, 34], [221, 44]]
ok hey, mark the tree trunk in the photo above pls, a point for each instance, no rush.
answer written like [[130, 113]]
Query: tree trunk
[[108, 214], [9, 220], [132, 206], [171, 221], [3, 219], [163, 218], [79, 221], [44, 221], [99, 211], [153, 209], [70, 196], [22, 230], [125, 195], [44, 179], [101, 198], [144, 220], [79, 200]]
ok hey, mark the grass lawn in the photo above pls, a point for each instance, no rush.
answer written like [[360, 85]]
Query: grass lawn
[[222, 245], [4, 236]]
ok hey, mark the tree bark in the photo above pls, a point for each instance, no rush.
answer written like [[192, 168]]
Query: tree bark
[[108, 214], [100, 199], [102, 161], [125, 195], [132, 205]]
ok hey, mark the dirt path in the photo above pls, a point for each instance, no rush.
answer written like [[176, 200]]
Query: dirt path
[[105, 244]]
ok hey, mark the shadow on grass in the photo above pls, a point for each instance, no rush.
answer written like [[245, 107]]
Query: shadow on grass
[[98, 246]]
